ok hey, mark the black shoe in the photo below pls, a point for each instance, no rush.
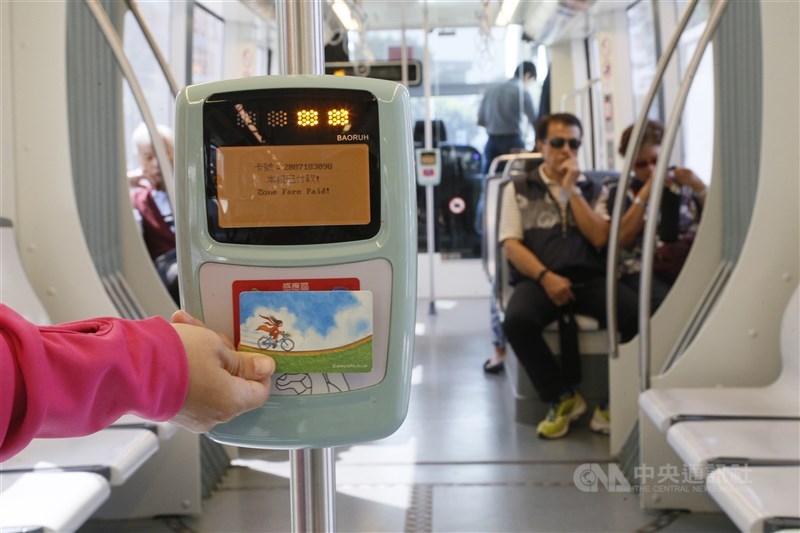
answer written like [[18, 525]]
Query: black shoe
[[493, 369]]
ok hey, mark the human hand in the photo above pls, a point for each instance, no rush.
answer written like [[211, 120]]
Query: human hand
[[643, 194], [684, 176], [223, 383], [570, 171], [558, 288]]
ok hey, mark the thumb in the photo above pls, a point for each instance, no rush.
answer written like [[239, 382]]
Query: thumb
[[182, 317], [254, 367], [253, 389]]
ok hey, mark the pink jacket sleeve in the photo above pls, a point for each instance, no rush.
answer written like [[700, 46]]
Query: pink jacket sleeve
[[77, 378]]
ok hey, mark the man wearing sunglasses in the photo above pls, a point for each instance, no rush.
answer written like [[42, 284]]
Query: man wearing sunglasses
[[554, 225]]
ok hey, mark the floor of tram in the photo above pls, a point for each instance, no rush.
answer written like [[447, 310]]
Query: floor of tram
[[459, 462]]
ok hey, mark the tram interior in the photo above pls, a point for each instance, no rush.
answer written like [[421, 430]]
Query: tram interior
[[705, 427]]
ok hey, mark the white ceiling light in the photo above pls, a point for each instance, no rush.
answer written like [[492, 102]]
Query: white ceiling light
[[507, 10], [345, 16]]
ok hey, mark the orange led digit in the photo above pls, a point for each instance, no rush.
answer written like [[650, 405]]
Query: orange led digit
[[338, 117], [307, 117]]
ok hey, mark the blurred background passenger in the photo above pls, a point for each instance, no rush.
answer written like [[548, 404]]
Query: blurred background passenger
[[152, 207], [681, 207], [501, 112]]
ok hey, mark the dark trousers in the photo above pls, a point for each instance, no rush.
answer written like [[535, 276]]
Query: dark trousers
[[659, 288], [498, 145], [530, 311]]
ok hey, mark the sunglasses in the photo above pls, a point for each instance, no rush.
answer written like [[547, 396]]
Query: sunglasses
[[645, 163], [559, 142]]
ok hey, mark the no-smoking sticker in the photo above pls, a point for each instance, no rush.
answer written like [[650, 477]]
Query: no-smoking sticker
[[457, 205]]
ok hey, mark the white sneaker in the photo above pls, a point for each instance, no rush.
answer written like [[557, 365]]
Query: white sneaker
[[601, 421]]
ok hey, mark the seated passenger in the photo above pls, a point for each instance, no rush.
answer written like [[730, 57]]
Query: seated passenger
[[152, 207], [681, 206], [553, 226]]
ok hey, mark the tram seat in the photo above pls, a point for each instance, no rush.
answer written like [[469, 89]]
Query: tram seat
[[438, 132], [758, 499], [57, 484], [113, 453], [592, 340], [777, 400], [748, 438], [50, 501], [706, 445]]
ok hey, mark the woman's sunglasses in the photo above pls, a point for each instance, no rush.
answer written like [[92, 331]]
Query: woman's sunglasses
[[645, 163], [559, 142]]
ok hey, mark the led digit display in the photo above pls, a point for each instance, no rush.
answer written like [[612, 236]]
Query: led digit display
[[307, 117]]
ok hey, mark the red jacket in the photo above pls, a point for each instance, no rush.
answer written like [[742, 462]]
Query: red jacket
[[77, 378], [158, 233]]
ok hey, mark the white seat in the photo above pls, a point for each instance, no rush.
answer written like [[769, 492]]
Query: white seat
[[779, 400], [50, 501], [164, 430], [116, 454], [758, 499], [18, 294], [704, 445]]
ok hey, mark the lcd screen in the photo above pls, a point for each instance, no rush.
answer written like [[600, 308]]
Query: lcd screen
[[294, 186], [427, 158]]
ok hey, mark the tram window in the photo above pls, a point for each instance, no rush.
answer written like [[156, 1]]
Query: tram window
[[642, 34], [158, 16], [697, 122], [207, 46]]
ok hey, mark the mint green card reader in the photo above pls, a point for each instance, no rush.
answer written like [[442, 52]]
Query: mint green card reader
[[296, 229]]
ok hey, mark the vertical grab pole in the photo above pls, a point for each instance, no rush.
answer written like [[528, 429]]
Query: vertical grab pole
[[313, 482], [429, 213], [670, 134], [637, 135]]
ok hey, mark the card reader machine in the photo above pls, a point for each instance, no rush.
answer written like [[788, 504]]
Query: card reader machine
[[429, 166], [296, 230]]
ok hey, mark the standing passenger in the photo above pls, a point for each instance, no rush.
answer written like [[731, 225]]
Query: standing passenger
[[553, 226], [501, 113], [502, 110]]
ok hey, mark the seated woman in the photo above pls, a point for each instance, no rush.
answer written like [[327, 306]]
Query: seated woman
[[681, 206]]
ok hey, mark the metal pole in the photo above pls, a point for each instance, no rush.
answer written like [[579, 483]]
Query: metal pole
[[430, 223], [637, 135], [313, 474], [300, 33], [313, 482], [653, 206]]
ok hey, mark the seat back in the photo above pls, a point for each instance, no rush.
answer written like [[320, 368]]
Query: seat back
[[17, 291], [439, 133]]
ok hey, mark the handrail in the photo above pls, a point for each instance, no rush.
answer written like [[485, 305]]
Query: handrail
[[637, 135], [115, 44], [574, 93], [670, 134], [148, 35]]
